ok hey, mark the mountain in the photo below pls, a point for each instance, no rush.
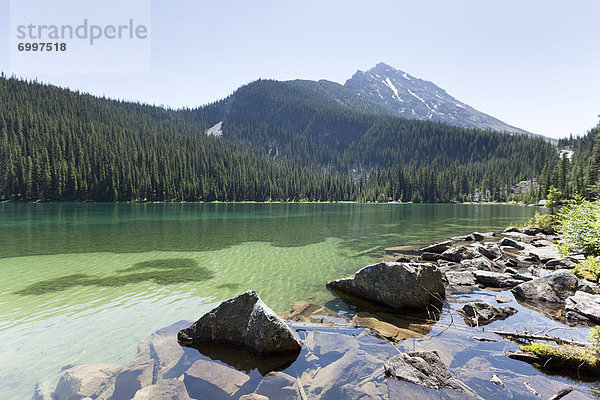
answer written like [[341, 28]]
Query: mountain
[[419, 99]]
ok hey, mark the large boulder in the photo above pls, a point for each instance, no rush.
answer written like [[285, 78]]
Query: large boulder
[[552, 288], [583, 306], [423, 368], [86, 381], [247, 321], [480, 313], [457, 254], [167, 389], [396, 285]]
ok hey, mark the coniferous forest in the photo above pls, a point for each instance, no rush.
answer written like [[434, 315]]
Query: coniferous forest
[[281, 141]]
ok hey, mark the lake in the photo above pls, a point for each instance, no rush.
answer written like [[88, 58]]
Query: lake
[[83, 283]]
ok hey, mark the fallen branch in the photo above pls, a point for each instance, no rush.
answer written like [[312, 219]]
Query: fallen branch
[[527, 336]]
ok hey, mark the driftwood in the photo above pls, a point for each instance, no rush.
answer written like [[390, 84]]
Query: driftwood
[[562, 393], [527, 336]]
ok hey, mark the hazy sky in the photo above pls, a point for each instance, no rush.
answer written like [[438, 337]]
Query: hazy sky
[[533, 64]]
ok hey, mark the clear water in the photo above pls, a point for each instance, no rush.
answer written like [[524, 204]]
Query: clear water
[[83, 283]]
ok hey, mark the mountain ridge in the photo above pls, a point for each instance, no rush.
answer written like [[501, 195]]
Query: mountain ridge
[[416, 98]]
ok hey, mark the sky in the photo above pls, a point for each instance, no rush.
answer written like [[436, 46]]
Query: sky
[[533, 64]]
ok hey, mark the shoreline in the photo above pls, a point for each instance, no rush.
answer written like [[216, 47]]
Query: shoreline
[[378, 329]]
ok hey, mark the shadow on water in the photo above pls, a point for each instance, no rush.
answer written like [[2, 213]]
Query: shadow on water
[[161, 271]]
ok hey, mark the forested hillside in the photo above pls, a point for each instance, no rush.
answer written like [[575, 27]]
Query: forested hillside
[[289, 141]]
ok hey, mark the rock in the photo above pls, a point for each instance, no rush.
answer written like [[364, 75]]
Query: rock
[[280, 386], [247, 321], [437, 248], [583, 306], [512, 229], [552, 288], [429, 257], [502, 299], [532, 230], [84, 381], [351, 368], [490, 250], [421, 368], [161, 347], [511, 243], [478, 237], [253, 396], [403, 259], [479, 263], [561, 263], [393, 329], [460, 278], [167, 389], [479, 313], [498, 279], [396, 285], [511, 271], [207, 379], [457, 254], [129, 381]]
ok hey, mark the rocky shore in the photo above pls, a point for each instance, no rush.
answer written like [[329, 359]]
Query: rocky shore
[[420, 324]]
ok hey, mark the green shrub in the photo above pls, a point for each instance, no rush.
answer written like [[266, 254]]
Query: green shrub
[[589, 269], [546, 222], [578, 225]]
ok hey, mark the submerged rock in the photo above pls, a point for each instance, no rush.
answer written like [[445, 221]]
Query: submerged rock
[[553, 288], [129, 381], [86, 381], [396, 285], [167, 389], [281, 386], [244, 320], [424, 368], [207, 379], [480, 313], [583, 306]]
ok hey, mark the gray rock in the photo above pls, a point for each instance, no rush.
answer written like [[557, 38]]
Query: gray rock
[[511, 243], [129, 381], [396, 285], [583, 306], [561, 263], [457, 254], [423, 368], [83, 381], [480, 313], [460, 278], [510, 270], [280, 386], [437, 248], [502, 299], [168, 389], [247, 321], [429, 257], [532, 230], [490, 250], [207, 379], [552, 288], [162, 348], [498, 279], [512, 229], [479, 263], [478, 237]]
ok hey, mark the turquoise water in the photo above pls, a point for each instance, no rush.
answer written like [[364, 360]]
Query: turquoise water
[[83, 283]]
